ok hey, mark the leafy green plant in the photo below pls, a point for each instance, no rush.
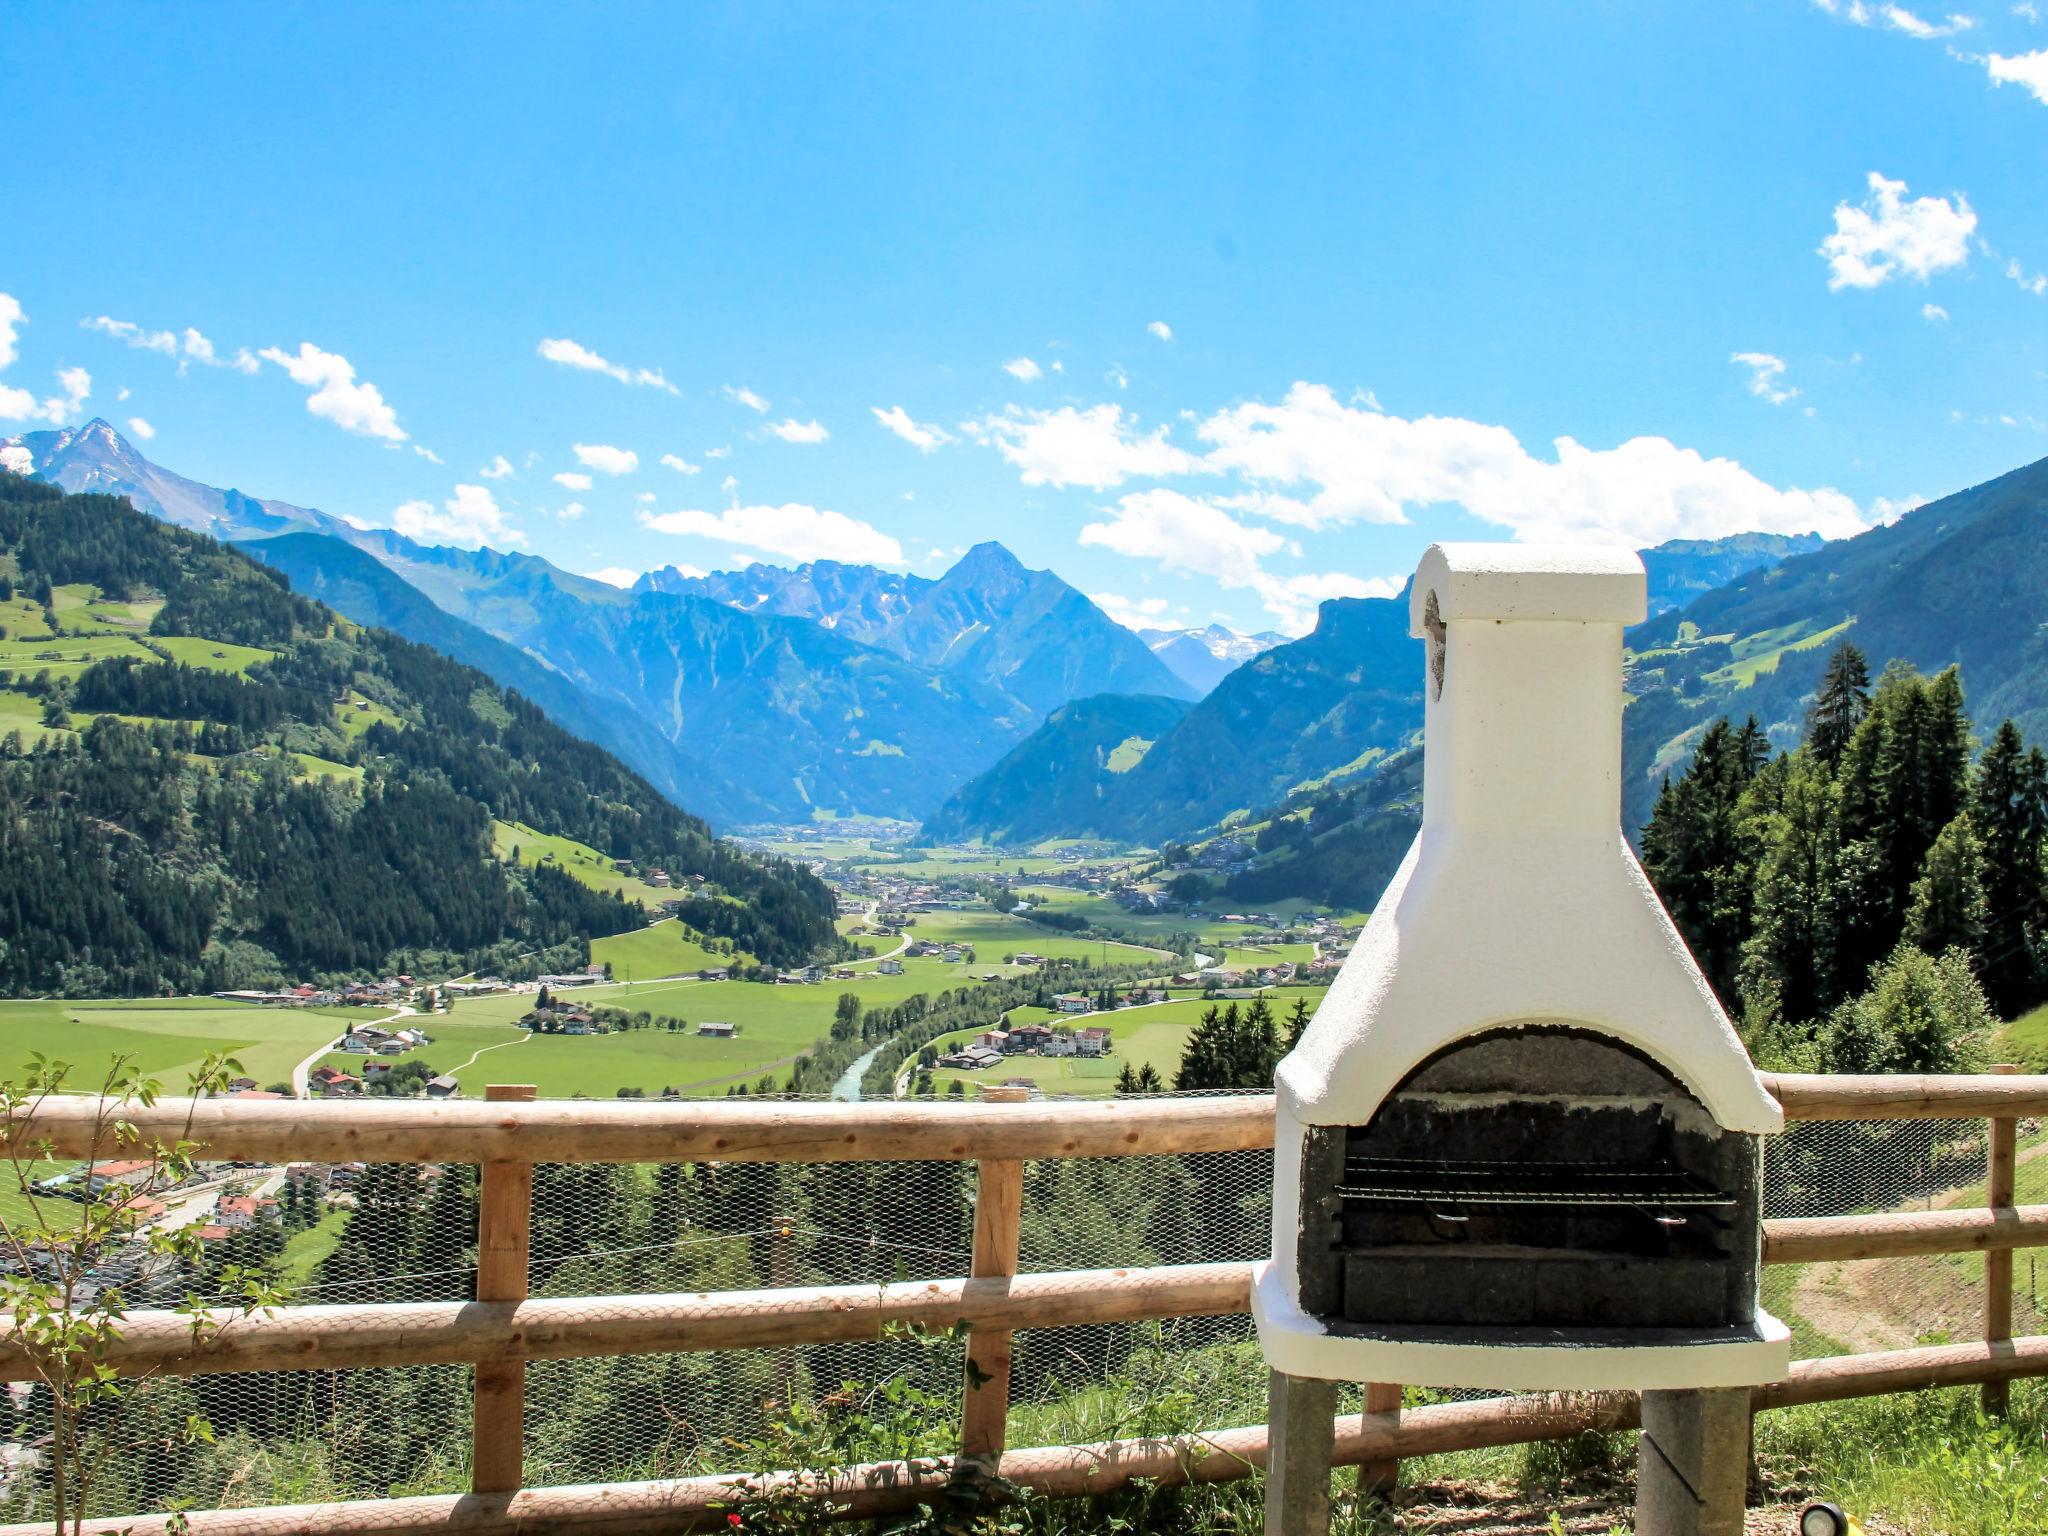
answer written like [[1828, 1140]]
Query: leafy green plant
[[61, 1317]]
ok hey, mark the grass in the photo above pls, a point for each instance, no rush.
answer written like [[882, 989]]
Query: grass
[[2025, 1040], [666, 948], [305, 1251], [1758, 654], [1154, 1034], [325, 768], [1128, 753], [168, 1039], [582, 862]]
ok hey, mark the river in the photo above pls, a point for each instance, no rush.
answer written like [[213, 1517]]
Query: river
[[848, 1086]]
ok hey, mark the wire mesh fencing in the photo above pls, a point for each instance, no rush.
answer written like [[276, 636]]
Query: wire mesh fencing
[[397, 1233]]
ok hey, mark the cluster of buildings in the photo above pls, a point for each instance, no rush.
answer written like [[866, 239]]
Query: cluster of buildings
[[333, 1083], [388, 992], [992, 1045]]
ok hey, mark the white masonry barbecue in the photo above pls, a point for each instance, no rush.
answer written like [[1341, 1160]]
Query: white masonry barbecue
[[1518, 1146]]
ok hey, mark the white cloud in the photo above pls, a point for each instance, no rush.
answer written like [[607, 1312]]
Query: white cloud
[[793, 530], [1141, 613], [2023, 69], [744, 396], [645, 498], [18, 404], [1764, 373], [923, 436], [614, 576], [1899, 19], [1366, 465], [426, 453], [2036, 284], [2026, 10], [573, 480], [1933, 312], [573, 354], [1895, 18], [141, 428], [571, 512], [718, 453], [17, 458], [497, 469], [1889, 236], [11, 318], [1023, 368], [794, 431], [1197, 537], [336, 395], [1118, 377], [606, 460], [469, 518], [191, 346], [1098, 447], [1160, 329], [1888, 509], [680, 465], [134, 335]]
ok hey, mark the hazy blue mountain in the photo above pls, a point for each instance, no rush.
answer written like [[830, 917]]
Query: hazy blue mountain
[[988, 620], [1682, 569], [744, 715], [1312, 720], [1202, 658], [1059, 781], [357, 585]]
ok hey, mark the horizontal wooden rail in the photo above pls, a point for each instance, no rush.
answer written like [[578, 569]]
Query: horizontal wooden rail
[[362, 1335], [582, 1327], [1814, 1239], [1908, 1097], [739, 1130], [866, 1492], [680, 1131]]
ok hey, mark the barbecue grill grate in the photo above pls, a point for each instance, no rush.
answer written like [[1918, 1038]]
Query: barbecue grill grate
[[1400, 1181]]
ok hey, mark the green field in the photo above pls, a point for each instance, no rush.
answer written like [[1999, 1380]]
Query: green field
[[666, 948], [579, 860], [2025, 1040], [1154, 1034], [995, 934], [168, 1038]]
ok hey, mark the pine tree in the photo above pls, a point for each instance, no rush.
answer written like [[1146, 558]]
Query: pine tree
[[1840, 705], [1205, 1055], [1297, 1022], [1700, 848], [1947, 909], [1792, 952], [2010, 811]]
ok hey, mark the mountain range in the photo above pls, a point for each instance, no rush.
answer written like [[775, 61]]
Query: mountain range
[[1203, 657], [760, 695], [210, 780], [1321, 711]]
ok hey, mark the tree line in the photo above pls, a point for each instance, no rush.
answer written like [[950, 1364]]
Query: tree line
[[1874, 899]]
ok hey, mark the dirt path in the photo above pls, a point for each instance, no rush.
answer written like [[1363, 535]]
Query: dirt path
[[484, 1049]]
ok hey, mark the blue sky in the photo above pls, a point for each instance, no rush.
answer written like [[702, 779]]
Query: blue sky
[[1300, 289]]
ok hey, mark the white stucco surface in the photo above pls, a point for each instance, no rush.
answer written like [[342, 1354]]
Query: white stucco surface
[[1299, 1345], [1519, 902]]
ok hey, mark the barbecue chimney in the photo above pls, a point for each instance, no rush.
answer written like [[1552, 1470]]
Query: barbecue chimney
[[1518, 1146]]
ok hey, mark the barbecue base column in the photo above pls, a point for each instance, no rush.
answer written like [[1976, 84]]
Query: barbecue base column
[[1301, 1439], [1692, 1463]]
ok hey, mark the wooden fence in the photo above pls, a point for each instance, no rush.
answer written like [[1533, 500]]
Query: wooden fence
[[502, 1330]]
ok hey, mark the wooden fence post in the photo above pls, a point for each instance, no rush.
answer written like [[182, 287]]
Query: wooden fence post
[[504, 1242], [998, 1215], [1381, 1478], [2001, 1158]]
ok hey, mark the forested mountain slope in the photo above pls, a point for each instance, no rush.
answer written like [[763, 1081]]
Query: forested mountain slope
[[207, 780], [1961, 580], [1061, 779]]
